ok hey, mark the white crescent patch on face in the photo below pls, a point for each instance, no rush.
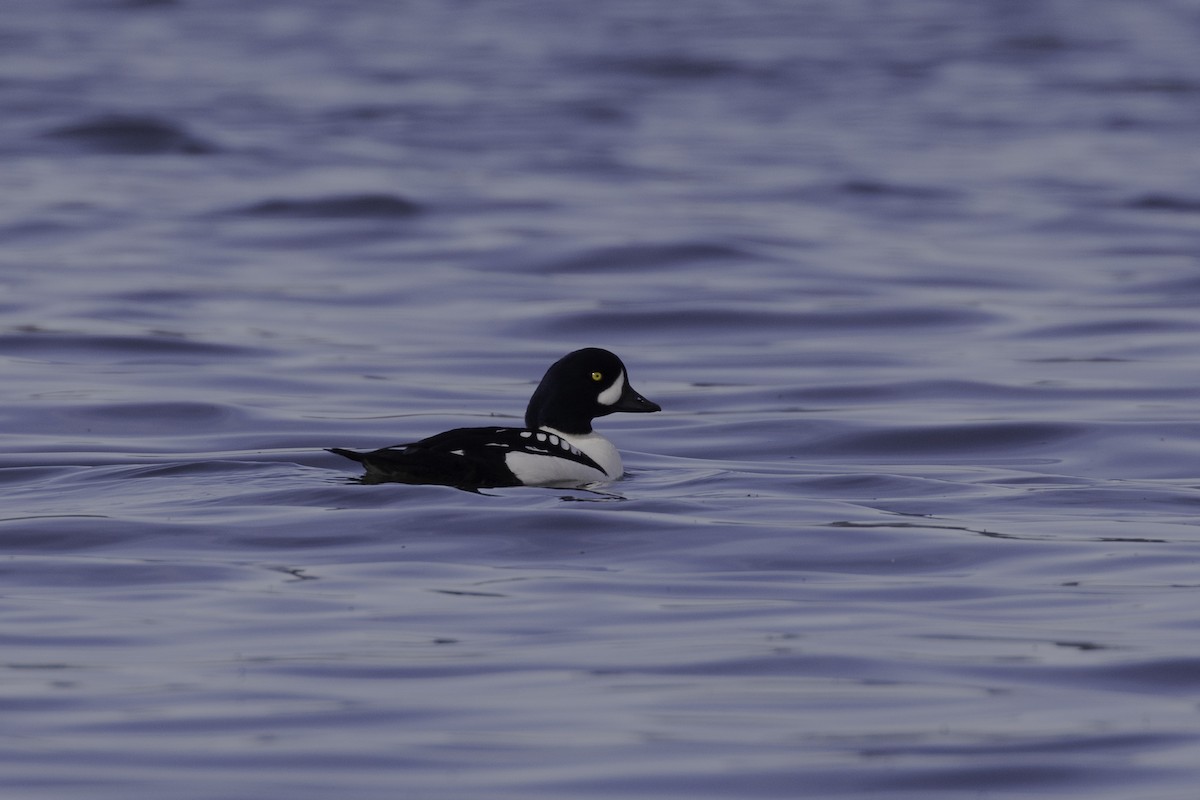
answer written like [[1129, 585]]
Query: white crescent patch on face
[[613, 393]]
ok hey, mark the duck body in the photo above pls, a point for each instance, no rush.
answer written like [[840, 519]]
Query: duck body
[[557, 446]]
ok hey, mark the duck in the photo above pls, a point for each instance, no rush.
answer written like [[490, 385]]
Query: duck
[[557, 447]]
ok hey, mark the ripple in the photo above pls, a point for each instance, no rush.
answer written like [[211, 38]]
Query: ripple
[[1165, 202], [1129, 327], [161, 417], [55, 346], [643, 256], [128, 135], [362, 206], [965, 439], [677, 67], [68, 533], [713, 321], [99, 572]]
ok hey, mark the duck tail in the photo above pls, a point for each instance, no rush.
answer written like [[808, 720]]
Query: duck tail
[[353, 455]]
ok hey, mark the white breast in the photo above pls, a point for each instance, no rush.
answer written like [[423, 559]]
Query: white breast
[[539, 470]]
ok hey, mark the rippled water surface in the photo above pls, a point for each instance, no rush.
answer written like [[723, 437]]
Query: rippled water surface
[[917, 286]]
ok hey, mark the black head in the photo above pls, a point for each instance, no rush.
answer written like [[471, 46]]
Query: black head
[[581, 386]]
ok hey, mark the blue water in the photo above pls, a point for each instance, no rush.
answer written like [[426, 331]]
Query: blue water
[[917, 285]]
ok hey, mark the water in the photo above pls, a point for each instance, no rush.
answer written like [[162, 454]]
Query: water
[[917, 289]]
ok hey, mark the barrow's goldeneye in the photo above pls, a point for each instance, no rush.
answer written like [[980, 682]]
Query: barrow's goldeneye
[[557, 446]]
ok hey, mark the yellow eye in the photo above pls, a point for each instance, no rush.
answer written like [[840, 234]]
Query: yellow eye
[[596, 376]]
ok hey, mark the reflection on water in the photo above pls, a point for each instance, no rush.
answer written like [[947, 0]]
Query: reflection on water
[[916, 288]]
